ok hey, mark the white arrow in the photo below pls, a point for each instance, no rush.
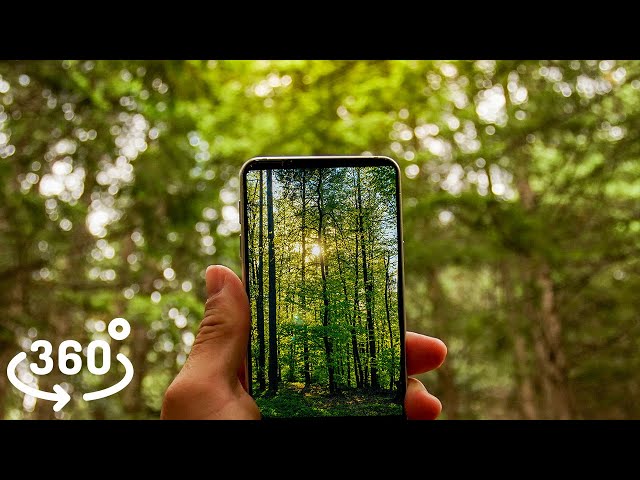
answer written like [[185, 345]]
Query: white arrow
[[128, 375], [61, 397]]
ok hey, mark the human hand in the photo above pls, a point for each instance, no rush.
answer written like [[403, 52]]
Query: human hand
[[212, 383]]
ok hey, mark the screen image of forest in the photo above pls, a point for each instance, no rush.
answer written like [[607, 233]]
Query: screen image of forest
[[323, 284]]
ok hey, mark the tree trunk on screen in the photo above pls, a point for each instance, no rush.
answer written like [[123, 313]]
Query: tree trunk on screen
[[360, 377], [273, 338], [387, 264], [303, 297], [352, 331], [368, 292], [260, 299], [328, 345]]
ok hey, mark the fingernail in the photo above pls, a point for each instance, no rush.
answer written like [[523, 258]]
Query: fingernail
[[215, 277]]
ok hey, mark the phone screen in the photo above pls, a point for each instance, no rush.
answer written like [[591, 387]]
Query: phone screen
[[323, 269]]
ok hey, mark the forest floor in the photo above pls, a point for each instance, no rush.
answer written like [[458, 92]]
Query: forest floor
[[292, 400]]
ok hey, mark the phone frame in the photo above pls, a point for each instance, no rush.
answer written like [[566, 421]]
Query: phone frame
[[311, 162]]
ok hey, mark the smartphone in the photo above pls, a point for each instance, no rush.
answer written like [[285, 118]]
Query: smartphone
[[321, 247]]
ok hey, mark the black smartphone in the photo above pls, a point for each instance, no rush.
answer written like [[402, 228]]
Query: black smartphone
[[321, 247]]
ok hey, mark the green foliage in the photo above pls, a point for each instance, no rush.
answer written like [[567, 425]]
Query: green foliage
[[119, 181], [292, 402]]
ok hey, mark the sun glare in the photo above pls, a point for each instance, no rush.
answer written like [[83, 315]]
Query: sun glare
[[315, 250]]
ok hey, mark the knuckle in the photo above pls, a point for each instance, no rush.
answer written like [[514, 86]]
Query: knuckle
[[173, 400], [213, 302], [179, 397], [211, 329], [219, 320], [177, 392], [215, 321]]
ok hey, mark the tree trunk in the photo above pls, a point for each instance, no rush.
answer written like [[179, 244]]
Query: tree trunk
[[328, 345], [553, 359], [260, 299], [303, 299], [273, 338], [360, 379], [351, 322], [548, 329], [525, 388], [368, 293], [291, 375], [387, 265], [352, 331]]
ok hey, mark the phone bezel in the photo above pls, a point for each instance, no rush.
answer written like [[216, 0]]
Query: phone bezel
[[311, 162]]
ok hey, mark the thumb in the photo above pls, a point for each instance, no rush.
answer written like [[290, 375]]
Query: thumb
[[220, 347]]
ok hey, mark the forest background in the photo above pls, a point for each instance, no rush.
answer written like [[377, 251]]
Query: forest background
[[521, 182]]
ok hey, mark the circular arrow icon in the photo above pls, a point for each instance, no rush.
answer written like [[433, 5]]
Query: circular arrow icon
[[61, 397], [128, 375]]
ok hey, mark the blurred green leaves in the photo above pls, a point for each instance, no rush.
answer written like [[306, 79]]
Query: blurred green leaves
[[510, 167]]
